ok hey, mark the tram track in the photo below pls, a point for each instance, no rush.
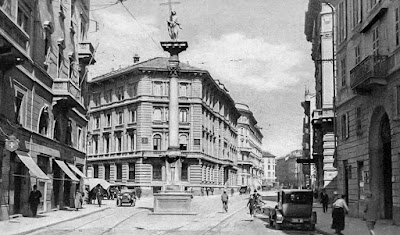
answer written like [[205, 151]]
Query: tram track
[[222, 221]]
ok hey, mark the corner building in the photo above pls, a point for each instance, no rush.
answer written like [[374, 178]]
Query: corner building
[[368, 103], [42, 100], [250, 161], [128, 126]]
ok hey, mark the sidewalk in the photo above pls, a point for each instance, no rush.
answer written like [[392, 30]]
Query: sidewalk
[[354, 226], [23, 225]]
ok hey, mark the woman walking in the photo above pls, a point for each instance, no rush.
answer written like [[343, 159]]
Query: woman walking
[[339, 208]]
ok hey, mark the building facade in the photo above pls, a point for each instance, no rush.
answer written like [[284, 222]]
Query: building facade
[[250, 160], [289, 173], [128, 124], [368, 98], [319, 27], [42, 116], [269, 169]]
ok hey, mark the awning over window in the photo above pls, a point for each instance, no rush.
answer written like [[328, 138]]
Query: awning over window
[[76, 170], [93, 182], [67, 171], [31, 165]]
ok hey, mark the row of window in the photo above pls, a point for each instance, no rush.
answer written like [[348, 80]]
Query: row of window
[[156, 173], [158, 89], [160, 114], [108, 122], [160, 142]]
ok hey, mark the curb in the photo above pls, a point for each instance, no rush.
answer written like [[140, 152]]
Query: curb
[[61, 221], [323, 232]]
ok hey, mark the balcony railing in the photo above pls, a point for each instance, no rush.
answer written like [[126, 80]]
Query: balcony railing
[[86, 52], [65, 88], [9, 29], [369, 73]]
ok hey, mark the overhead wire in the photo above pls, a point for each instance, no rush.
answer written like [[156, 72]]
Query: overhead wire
[[130, 13]]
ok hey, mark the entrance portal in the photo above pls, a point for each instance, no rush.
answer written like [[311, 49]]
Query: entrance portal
[[380, 157]]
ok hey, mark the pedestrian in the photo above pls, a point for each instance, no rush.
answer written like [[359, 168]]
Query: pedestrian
[[224, 199], [371, 212], [99, 195], [139, 192], [34, 200], [324, 201], [78, 199], [207, 190], [202, 191], [251, 203], [339, 208], [232, 191], [86, 196], [212, 191]]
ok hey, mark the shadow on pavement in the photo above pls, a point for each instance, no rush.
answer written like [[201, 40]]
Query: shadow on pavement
[[146, 208]]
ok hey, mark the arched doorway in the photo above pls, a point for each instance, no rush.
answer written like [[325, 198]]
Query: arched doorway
[[380, 161]]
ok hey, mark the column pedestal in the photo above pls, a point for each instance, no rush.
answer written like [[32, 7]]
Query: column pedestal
[[173, 200]]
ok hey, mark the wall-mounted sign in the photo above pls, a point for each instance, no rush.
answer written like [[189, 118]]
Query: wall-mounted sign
[[12, 143], [145, 140]]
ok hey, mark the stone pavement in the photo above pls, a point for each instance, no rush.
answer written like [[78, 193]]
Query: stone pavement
[[23, 225], [354, 226], [203, 205]]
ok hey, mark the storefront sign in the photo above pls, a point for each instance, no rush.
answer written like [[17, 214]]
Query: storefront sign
[[12, 143]]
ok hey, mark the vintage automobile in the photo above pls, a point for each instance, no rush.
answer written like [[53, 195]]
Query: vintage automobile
[[126, 196], [294, 208]]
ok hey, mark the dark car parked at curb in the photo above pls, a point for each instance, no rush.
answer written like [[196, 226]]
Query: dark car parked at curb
[[126, 196], [294, 208]]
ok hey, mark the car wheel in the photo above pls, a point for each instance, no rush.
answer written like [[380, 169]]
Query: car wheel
[[277, 226], [312, 227]]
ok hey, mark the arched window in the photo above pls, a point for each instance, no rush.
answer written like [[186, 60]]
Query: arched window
[[44, 122], [183, 140], [157, 142]]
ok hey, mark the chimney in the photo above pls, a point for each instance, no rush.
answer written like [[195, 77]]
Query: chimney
[[136, 58]]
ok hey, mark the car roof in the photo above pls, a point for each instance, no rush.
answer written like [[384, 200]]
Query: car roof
[[296, 190]]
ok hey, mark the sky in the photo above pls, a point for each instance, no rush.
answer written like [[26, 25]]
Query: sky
[[256, 48]]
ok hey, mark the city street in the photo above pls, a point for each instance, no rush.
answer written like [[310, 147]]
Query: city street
[[138, 220]]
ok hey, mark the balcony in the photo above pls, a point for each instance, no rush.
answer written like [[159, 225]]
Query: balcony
[[322, 116], [245, 162], [12, 32], [369, 74], [86, 53], [67, 91]]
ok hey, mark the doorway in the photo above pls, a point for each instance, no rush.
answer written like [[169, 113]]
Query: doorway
[[380, 162], [387, 167]]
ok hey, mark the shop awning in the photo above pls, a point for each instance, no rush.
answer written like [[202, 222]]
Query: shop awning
[[67, 171], [93, 182], [76, 170], [31, 165]]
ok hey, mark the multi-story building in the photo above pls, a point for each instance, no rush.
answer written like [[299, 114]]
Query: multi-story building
[[42, 116], [289, 173], [128, 124], [318, 30], [269, 169], [368, 103], [250, 161]]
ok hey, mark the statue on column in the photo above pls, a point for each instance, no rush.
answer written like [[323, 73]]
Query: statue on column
[[173, 26]]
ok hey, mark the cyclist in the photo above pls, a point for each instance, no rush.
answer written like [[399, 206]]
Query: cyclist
[[224, 199]]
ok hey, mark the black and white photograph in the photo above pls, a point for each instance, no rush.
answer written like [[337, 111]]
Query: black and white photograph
[[199, 117]]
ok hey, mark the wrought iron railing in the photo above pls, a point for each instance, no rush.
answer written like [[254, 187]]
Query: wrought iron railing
[[370, 67]]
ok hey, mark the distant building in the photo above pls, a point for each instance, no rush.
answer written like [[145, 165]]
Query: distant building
[[250, 161], [269, 168], [128, 124], [42, 102], [288, 172]]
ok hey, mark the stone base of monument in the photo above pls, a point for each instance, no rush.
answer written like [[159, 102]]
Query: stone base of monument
[[172, 201]]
